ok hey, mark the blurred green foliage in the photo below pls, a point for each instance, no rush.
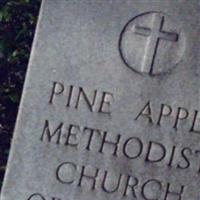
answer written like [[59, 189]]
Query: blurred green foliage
[[17, 25]]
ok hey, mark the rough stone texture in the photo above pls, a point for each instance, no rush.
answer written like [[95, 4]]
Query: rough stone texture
[[135, 66]]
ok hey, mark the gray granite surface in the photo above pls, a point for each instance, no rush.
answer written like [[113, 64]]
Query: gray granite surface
[[111, 103]]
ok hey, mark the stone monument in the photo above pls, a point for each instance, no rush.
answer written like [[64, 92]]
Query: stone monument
[[110, 108]]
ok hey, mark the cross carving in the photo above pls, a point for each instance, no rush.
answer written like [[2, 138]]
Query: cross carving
[[154, 34]]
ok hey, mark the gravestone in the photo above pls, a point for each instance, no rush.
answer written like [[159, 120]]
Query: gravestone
[[110, 108]]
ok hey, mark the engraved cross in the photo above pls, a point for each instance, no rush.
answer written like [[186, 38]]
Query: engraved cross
[[154, 34]]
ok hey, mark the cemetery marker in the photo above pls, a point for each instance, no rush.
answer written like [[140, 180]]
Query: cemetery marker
[[110, 108]]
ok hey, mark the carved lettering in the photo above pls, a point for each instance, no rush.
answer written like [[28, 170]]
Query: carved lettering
[[77, 97], [145, 112], [89, 177], [182, 113], [194, 123], [114, 144], [112, 179], [127, 144], [156, 152], [173, 117], [72, 135], [131, 184], [61, 172], [165, 111], [50, 135], [152, 183], [92, 178], [178, 194], [57, 89], [36, 196], [120, 146]]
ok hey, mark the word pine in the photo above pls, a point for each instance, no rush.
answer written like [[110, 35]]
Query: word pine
[[95, 101]]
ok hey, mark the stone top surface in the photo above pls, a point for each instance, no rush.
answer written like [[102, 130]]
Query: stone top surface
[[110, 108]]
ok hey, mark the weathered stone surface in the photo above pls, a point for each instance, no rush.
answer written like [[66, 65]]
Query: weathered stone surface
[[110, 108]]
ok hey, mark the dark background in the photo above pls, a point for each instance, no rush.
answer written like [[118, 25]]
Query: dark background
[[18, 19]]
